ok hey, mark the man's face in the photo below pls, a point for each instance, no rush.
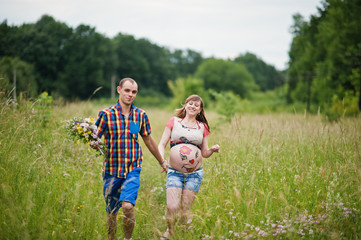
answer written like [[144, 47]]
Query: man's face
[[127, 93]]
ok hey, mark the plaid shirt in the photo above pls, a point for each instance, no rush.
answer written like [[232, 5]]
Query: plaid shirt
[[121, 138]]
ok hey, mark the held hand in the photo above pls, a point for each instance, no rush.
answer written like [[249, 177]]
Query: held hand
[[164, 166], [215, 148]]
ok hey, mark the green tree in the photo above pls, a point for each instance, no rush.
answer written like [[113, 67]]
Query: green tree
[[228, 104], [24, 73], [10, 40], [225, 75], [324, 55], [185, 62], [144, 61], [42, 45], [303, 59], [184, 87], [87, 55], [158, 64], [265, 76]]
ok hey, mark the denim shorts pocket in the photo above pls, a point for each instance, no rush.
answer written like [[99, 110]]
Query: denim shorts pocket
[[200, 174], [171, 172]]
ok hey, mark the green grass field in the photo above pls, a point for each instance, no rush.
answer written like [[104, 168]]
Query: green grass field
[[278, 176]]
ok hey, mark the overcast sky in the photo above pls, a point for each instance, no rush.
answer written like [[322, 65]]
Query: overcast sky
[[219, 28]]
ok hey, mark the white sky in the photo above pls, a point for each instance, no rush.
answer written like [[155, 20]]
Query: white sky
[[219, 28]]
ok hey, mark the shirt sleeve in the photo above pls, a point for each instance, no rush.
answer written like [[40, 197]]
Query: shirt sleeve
[[206, 131], [145, 128], [101, 123], [170, 123]]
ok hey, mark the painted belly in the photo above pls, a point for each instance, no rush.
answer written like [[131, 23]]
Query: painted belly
[[185, 157]]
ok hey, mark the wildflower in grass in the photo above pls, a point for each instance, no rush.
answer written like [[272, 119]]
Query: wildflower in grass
[[157, 189], [262, 233], [206, 236], [85, 130]]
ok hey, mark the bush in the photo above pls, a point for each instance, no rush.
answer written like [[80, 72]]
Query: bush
[[183, 88], [43, 107], [228, 104], [347, 106]]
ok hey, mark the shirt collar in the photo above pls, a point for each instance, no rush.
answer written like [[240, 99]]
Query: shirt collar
[[119, 107]]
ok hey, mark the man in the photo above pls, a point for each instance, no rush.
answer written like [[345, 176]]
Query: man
[[120, 125]]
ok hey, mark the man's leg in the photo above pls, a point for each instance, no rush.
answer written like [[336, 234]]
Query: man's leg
[[111, 192], [128, 198], [112, 225], [128, 219]]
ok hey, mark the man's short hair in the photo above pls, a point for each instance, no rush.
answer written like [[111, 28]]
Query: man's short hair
[[131, 80]]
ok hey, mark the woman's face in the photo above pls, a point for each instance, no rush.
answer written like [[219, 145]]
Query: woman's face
[[193, 107]]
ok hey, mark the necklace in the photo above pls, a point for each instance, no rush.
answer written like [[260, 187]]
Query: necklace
[[192, 125]]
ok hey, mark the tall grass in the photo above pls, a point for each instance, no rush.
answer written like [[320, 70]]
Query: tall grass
[[278, 176]]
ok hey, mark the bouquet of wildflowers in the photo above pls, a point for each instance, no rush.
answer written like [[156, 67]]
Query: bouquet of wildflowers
[[85, 130]]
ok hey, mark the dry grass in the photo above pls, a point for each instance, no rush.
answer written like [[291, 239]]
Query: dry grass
[[277, 176]]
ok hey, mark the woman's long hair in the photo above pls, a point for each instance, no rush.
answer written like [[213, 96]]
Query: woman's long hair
[[201, 117]]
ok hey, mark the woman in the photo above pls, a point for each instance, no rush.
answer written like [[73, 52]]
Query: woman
[[187, 133]]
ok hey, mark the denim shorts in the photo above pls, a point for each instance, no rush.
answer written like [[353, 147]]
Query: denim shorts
[[116, 190], [191, 181]]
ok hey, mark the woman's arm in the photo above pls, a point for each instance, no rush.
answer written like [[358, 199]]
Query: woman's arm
[[207, 152], [164, 141]]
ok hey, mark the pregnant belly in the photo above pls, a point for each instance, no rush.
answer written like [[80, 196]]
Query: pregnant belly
[[185, 157]]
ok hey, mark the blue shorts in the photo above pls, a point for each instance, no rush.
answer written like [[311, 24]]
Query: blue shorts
[[191, 181], [116, 190]]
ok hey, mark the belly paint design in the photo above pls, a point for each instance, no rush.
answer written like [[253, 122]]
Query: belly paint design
[[183, 157], [185, 150], [184, 140], [191, 169], [186, 153]]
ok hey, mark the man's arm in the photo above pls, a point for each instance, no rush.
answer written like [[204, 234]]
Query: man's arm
[[153, 148]]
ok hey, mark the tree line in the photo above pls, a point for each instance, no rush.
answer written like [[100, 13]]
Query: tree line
[[325, 58], [74, 62], [324, 69]]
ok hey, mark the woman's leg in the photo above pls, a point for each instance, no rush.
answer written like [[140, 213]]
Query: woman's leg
[[188, 197], [192, 185], [174, 195]]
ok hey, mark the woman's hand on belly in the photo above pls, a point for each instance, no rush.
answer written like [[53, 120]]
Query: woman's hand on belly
[[185, 157]]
